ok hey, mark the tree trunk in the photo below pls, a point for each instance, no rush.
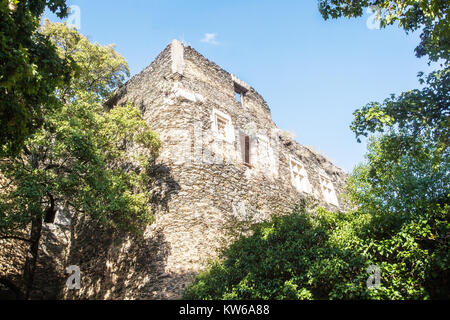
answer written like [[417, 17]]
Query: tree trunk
[[35, 237], [32, 255]]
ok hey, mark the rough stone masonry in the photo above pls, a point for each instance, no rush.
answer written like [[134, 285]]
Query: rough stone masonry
[[224, 164]]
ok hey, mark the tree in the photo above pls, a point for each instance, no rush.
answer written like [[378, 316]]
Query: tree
[[406, 196], [414, 148], [30, 70], [98, 70], [418, 112], [410, 160], [78, 160], [288, 257], [429, 16], [404, 183]]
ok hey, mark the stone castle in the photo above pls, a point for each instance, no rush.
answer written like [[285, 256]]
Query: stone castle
[[223, 164]]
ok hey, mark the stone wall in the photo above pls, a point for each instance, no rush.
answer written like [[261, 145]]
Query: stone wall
[[202, 189], [53, 253]]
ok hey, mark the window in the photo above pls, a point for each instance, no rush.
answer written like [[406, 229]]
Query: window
[[50, 212], [50, 215], [237, 96], [222, 126], [239, 93], [247, 150], [328, 190], [299, 176], [245, 143]]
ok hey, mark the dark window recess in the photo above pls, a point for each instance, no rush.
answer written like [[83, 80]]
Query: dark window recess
[[247, 150], [239, 93], [50, 213]]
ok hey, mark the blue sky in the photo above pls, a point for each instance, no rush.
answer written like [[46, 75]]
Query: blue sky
[[313, 73]]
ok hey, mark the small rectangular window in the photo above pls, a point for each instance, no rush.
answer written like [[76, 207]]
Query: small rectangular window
[[50, 215], [299, 176], [247, 150], [222, 126], [237, 96], [239, 93], [328, 191]]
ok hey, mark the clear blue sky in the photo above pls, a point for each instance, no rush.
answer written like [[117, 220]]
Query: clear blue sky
[[313, 73]]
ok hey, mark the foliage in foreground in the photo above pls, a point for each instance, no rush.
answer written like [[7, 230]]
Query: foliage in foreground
[[326, 255], [430, 17], [30, 70], [79, 158]]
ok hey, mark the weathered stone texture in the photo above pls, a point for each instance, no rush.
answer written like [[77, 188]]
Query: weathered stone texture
[[201, 185]]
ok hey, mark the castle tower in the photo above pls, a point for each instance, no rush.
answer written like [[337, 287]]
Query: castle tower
[[224, 165], [223, 159]]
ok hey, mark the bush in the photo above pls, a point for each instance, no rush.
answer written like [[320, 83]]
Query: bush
[[326, 255]]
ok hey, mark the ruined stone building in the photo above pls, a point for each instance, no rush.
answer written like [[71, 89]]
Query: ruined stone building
[[223, 161]]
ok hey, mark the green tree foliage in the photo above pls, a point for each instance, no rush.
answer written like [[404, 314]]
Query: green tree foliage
[[428, 16], [79, 155], [30, 70], [288, 257], [422, 112], [400, 224], [78, 159], [406, 195], [417, 121], [98, 70]]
